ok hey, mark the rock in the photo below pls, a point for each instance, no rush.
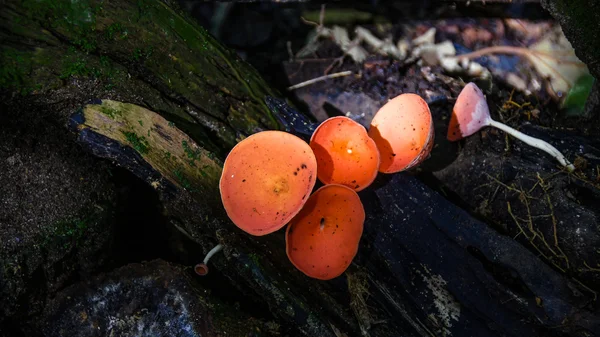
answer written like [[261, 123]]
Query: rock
[[145, 299]]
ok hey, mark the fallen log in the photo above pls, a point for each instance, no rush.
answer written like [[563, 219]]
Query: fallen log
[[61, 205], [525, 195], [425, 267], [169, 70]]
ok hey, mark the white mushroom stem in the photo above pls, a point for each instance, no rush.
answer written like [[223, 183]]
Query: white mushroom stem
[[212, 252], [535, 142]]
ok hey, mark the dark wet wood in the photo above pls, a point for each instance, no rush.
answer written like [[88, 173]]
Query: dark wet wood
[[425, 266]]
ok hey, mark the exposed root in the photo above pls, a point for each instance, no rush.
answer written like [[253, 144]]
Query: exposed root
[[544, 187], [531, 235], [586, 288], [590, 268], [550, 250]]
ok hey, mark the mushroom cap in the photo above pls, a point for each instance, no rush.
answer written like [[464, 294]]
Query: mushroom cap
[[266, 180], [403, 131], [323, 238], [201, 269], [470, 113], [345, 153]]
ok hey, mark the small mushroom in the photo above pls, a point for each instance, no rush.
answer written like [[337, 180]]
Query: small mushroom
[[202, 268], [322, 240], [471, 113], [345, 153], [403, 131], [266, 180]]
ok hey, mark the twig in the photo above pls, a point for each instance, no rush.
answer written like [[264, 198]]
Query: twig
[[321, 19], [318, 79], [337, 61]]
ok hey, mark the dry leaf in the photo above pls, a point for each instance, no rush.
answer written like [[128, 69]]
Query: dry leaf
[[553, 57]]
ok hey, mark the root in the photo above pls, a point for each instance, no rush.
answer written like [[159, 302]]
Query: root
[[551, 251]]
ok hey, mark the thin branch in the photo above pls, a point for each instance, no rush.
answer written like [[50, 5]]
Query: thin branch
[[318, 79]]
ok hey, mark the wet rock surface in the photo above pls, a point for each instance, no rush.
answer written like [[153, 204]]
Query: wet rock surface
[[154, 298]]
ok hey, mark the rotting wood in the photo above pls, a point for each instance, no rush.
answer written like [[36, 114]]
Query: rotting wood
[[413, 242]]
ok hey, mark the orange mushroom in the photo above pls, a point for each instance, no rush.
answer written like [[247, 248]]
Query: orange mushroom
[[323, 238], [266, 180], [345, 153], [403, 131]]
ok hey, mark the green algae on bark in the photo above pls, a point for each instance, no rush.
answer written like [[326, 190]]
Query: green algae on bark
[[171, 152], [188, 76]]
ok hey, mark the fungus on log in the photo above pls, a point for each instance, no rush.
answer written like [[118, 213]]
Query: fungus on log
[[428, 267], [424, 265], [346, 155]]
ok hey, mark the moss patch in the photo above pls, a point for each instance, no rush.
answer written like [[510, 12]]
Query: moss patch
[[139, 143]]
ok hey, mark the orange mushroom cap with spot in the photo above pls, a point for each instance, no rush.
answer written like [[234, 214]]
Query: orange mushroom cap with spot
[[403, 131], [345, 153], [323, 238], [266, 180]]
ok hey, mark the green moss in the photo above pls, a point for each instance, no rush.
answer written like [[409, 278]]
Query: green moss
[[168, 45], [66, 233], [139, 143], [116, 32], [110, 112], [80, 64], [191, 154], [182, 180], [79, 68], [254, 259], [77, 18], [144, 10], [187, 72], [14, 68]]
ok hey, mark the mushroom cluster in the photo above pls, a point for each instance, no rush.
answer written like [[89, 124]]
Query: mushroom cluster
[[268, 180]]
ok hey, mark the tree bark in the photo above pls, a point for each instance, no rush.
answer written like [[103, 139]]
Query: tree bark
[[145, 52]]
